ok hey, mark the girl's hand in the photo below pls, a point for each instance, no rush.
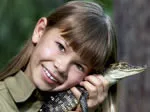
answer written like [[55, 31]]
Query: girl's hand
[[97, 88]]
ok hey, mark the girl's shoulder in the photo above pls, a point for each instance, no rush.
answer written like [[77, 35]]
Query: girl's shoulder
[[2, 86], [7, 104]]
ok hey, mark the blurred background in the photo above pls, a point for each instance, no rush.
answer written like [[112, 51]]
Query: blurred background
[[132, 20]]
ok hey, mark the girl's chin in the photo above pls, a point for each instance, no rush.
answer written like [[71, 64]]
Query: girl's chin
[[61, 88], [43, 86], [50, 88], [53, 89]]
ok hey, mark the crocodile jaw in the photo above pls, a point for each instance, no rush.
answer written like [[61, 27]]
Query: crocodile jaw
[[118, 73]]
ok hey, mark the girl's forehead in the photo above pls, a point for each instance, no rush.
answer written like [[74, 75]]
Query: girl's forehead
[[77, 56], [83, 46]]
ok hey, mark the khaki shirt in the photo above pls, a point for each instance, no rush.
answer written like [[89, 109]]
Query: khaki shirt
[[16, 94]]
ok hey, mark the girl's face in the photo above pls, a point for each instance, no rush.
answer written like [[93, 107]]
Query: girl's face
[[54, 66]]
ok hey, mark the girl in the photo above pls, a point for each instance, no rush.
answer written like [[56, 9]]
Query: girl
[[71, 46]]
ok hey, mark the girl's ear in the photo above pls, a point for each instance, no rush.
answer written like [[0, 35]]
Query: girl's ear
[[39, 30]]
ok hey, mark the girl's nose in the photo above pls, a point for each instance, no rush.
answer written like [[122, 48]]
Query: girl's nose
[[62, 65]]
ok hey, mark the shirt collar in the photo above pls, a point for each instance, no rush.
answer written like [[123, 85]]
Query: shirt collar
[[20, 86]]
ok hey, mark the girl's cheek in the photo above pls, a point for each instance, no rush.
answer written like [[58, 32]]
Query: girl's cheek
[[46, 52], [75, 77]]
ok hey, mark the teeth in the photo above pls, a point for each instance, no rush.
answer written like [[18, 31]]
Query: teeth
[[49, 75]]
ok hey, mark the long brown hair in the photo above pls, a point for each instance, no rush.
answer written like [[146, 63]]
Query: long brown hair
[[88, 30]]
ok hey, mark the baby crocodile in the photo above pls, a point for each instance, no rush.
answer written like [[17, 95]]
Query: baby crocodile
[[65, 101]]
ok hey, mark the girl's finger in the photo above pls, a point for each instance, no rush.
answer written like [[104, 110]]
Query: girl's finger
[[92, 90], [94, 80], [97, 82], [76, 92], [75, 111], [105, 82]]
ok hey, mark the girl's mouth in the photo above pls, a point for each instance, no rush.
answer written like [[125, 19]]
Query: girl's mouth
[[49, 75]]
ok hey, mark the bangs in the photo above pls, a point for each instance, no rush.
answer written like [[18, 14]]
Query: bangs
[[88, 31], [91, 43]]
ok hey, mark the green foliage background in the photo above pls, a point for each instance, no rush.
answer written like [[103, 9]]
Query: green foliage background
[[18, 18]]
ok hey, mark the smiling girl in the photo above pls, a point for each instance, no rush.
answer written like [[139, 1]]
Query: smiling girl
[[70, 47]]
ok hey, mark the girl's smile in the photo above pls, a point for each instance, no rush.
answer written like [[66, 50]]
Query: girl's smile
[[54, 66], [49, 77]]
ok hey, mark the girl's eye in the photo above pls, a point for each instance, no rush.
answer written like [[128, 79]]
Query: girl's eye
[[61, 47], [81, 68]]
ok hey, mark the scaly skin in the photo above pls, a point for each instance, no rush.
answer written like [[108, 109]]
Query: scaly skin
[[65, 101], [121, 70]]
